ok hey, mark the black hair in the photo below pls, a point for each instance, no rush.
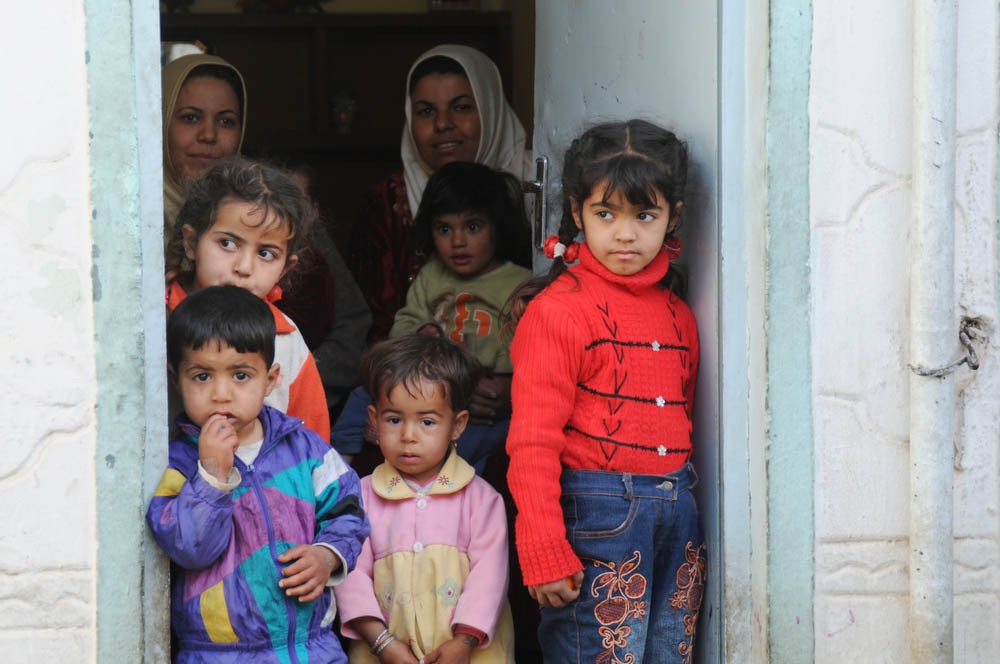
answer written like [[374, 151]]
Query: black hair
[[638, 159], [237, 178], [223, 73], [464, 186], [436, 64], [413, 358], [224, 314]]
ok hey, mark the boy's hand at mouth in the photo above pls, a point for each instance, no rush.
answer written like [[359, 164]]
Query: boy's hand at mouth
[[217, 445]]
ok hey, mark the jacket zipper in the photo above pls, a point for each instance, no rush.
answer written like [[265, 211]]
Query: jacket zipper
[[272, 542]]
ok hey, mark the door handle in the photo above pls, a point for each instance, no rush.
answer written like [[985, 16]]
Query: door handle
[[537, 188]]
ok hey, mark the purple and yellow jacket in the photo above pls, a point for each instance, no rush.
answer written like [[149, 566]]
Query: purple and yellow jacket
[[226, 605]]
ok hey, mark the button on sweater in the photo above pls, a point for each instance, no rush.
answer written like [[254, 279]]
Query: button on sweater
[[604, 378]]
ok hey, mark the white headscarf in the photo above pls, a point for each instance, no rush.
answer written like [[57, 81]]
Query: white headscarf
[[501, 142]]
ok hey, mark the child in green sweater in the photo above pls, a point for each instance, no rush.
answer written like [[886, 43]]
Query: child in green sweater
[[472, 223]]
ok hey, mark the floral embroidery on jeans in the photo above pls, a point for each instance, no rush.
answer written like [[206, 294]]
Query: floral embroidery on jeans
[[623, 588], [690, 591]]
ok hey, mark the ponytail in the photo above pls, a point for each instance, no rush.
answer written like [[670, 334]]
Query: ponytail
[[518, 301]]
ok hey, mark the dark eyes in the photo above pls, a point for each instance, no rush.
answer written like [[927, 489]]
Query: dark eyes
[[470, 227], [641, 216], [429, 111], [226, 121]]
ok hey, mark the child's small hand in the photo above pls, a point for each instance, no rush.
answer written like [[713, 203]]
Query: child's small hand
[[309, 569], [455, 651], [397, 652], [491, 400], [430, 330], [557, 594], [217, 444]]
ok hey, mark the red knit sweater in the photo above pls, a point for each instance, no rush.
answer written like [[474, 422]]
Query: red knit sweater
[[604, 377]]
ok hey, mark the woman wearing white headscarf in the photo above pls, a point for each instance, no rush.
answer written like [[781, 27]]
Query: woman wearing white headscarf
[[455, 111]]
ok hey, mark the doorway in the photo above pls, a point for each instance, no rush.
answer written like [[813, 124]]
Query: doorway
[[685, 66], [672, 69]]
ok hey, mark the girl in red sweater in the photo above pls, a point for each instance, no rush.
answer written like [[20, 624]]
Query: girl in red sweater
[[605, 359]]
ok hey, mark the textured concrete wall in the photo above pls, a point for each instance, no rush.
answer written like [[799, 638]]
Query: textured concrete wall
[[48, 546], [860, 216]]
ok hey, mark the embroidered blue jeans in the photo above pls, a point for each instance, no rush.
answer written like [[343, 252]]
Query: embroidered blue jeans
[[643, 551]]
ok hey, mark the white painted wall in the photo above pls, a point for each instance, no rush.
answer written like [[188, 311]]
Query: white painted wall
[[860, 169], [47, 376]]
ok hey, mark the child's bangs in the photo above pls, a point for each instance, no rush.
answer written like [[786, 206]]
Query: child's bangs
[[636, 178], [270, 217]]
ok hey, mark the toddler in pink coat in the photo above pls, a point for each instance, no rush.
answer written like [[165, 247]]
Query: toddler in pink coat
[[430, 584]]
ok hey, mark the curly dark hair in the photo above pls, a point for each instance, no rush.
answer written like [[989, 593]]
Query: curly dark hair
[[257, 182]]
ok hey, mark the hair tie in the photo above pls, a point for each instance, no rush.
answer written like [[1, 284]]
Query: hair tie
[[274, 294], [556, 249]]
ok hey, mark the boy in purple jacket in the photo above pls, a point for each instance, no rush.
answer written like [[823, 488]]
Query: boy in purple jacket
[[258, 514]]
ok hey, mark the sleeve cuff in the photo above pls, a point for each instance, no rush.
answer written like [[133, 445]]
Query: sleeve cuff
[[470, 631], [339, 576], [544, 562], [229, 485]]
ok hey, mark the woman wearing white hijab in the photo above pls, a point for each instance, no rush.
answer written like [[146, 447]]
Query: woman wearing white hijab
[[455, 111]]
